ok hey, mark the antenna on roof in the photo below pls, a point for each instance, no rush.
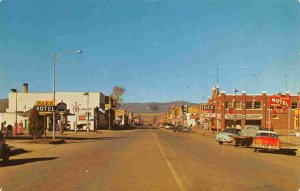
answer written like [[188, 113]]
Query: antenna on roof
[[217, 74], [286, 87]]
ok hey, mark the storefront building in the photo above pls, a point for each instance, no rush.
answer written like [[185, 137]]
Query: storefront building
[[82, 108], [241, 109]]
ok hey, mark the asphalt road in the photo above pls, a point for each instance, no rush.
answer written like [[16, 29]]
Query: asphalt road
[[148, 159]]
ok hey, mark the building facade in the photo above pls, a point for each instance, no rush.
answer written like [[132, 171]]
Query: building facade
[[241, 109], [82, 108]]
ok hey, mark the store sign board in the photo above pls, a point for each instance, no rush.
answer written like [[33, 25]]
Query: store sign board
[[210, 115], [232, 116], [279, 101], [82, 118], [253, 116], [208, 107]]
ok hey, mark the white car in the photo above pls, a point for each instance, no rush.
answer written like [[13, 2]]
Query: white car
[[225, 135], [169, 126]]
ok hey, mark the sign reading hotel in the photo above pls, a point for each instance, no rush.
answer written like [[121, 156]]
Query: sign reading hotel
[[45, 107], [278, 101]]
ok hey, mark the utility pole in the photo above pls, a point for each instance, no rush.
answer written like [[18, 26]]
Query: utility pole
[[298, 111], [234, 105], [16, 122], [88, 113]]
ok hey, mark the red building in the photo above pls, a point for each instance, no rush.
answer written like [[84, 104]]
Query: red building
[[240, 109]]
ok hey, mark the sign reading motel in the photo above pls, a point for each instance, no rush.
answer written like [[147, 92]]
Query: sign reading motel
[[278, 101], [45, 106]]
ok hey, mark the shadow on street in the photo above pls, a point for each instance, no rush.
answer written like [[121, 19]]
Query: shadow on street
[[16, 162]]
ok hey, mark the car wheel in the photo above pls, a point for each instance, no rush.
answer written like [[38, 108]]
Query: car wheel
[[220, 142], [255, 149], [236, 143]]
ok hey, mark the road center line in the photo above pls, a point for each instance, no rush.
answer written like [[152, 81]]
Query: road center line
[[176, 177]]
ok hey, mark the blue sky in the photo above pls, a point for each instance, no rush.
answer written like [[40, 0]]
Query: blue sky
[[158, 50]]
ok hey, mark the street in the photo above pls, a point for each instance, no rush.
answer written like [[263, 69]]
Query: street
[[148, 159]]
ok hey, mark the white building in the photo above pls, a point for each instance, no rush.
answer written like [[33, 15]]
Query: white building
[[91, 108]]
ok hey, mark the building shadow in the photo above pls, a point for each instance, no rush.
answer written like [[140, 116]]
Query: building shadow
[[16, 162]]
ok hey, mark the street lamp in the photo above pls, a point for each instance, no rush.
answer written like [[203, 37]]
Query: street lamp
[[54, 57], [234, 105], [88, 112], [16, 123], [298, 110]]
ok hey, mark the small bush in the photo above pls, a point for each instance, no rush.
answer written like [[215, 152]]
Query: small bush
[[36, 124]]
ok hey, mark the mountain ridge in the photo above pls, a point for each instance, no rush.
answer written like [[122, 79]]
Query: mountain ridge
[[153, 107]]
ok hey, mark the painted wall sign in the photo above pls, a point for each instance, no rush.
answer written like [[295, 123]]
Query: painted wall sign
[[253, 116], [232, 116]]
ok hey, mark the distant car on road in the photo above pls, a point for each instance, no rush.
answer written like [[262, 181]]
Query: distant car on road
[[169, 126], [225, 135], [4, 149], [266, 140]]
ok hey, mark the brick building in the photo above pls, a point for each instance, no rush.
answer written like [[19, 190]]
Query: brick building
[[242, 109]]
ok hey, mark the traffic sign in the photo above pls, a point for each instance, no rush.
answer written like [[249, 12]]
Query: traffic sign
[[76, 109]]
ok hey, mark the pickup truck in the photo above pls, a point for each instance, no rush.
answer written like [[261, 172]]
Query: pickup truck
[[266, 140], [245, 138]]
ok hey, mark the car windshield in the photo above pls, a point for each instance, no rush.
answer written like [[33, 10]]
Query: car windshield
[[267, 135]]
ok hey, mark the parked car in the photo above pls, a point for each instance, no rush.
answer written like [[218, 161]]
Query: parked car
[[169, 126], [4, 149], [225, 135], [266, 140], [186, 129], [245, 137]]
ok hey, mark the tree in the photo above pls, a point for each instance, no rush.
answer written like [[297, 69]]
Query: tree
[[155, 119], [36, 124], [116, 94]]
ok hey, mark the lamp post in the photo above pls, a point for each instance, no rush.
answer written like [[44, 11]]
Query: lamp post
[[88, 112], [16, 123], [298, 110], [54, 57], [234, 105]]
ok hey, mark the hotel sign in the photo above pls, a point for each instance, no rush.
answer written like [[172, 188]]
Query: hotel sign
[[279, 101]]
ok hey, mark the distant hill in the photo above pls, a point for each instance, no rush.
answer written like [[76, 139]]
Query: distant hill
[[3, 105], [152, 107]]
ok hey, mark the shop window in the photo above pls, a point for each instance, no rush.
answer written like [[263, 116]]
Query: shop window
[[294, 105], [275, 116], [249, 105], [229, 104], [257, 105], [238, 105]]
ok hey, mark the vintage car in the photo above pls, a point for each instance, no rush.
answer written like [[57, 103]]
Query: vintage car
[[4, 149], [266, 140], [225, 135]]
